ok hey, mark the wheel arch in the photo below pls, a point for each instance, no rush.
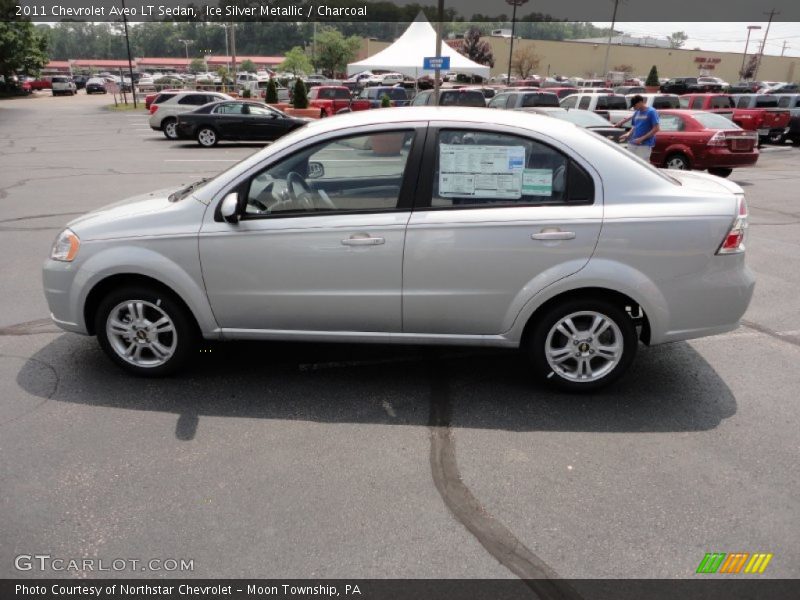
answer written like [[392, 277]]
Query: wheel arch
[[623, 301], [104, 286]]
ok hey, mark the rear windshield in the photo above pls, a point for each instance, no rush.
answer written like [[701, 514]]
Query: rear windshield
[[712, 121], [471, 98], [60, 79], [539, 100], [333, 94], [666, 102], [767, 102], [613, 102]]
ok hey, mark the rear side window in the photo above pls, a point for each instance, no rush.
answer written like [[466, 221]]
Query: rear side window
[[722, 102], [159, 99], [743, 102], [671, 123], [193, 99], [398, 94], [342, 94], [477, 169], [666, 102], [612, 102], [584, 103], [768, 102], [697, 103], [421, 99], [569, 102]]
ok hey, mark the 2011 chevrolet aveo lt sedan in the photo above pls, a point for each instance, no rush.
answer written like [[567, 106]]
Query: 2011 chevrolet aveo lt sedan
[[417, 226]]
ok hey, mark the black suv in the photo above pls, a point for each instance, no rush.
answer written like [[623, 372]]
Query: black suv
[[689, 85]]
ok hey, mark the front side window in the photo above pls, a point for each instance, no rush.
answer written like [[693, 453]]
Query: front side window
[[498, 101], [569, 101], [232, 108], [421, 99], [362, 173], [193, 99], [671, 123], [585, 101], [482, 169]]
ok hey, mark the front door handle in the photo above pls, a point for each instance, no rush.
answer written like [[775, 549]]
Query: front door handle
[[363, 239], [553, 234]]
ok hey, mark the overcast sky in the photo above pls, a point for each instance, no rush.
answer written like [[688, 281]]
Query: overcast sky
[[726, 37]]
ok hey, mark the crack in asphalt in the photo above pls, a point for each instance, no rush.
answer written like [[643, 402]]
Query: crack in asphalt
[[36, 327], [788, 338], [495, 537]]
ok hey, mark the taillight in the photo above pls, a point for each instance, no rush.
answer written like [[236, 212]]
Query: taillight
[[153, 108], [718, 139], [734, 239]]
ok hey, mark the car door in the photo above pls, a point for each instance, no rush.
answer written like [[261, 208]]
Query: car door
[[320, 243], [500, 216], [263, 123], [229, 120]]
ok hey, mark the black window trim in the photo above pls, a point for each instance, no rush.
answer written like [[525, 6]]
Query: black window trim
[[424, 195], [408, 187]]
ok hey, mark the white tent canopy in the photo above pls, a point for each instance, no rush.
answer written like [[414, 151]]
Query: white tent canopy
[[407, 53]]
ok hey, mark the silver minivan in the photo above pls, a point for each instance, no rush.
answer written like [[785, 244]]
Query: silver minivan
[[415, 226]]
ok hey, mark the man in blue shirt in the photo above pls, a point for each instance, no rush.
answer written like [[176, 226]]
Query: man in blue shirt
[[642, 136]]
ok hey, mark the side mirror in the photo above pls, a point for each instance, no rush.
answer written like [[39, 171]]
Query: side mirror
[[230, 208], [315, 170]]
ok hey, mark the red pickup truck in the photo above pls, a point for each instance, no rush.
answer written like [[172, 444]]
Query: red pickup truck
[[754, 112], [330, 99]]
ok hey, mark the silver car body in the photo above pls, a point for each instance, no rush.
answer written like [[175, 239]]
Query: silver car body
[[472, 276]]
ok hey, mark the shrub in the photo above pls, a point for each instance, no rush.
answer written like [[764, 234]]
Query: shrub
[[652, 78], [272, 92], [386, 102], [300, 97]]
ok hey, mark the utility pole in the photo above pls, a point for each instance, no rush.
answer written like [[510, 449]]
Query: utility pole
[[130, 61], [610, 35], [785, 45], [772, 13], [233, 51], [515, 4], [437, 71]]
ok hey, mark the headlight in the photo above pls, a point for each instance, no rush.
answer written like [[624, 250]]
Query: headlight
[[66, 246]]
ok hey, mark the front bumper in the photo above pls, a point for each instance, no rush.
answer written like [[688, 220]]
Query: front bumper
[[59, 281]]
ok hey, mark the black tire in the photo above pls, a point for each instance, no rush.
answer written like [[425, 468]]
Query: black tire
[[563, 377], [168, 127], [776, 138], [185, 330], [673, 160], [207, 137], [721, 172]]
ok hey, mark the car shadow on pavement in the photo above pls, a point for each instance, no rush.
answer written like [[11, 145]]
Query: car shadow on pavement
[[669, 388]]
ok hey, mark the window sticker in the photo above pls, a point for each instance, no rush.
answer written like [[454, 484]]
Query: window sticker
[[467, 170], [537, 182]]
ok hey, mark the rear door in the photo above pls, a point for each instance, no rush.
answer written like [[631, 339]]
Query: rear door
[[499, 216]]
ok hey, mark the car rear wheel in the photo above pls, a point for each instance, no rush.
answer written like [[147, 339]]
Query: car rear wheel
[[776, 138], [678, 161], [145, 331], [170, 129], [207, 137], [582, 345], [720, 172]]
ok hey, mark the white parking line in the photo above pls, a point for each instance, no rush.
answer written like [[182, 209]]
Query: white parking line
[[203, 160]]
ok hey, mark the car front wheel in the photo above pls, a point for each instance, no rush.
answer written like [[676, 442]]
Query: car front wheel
[[678, 161], [207, 137], [170, 128], [582, 345], [145, 331]]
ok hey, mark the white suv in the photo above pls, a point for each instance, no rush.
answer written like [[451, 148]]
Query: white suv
[[164, 116], [63, 85]]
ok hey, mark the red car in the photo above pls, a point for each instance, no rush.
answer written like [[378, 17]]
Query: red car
[[695, 139]]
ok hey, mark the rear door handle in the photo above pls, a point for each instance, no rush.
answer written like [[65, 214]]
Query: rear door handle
[[553, 234], [363, 239]]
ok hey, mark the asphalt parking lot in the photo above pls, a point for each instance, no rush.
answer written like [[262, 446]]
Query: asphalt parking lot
[[289, 460]]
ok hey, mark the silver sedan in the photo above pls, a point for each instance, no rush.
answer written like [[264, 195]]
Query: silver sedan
[[416, 226]]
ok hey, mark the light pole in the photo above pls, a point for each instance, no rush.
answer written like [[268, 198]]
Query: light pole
[[746, 44], [186, 44], [610, 35], [515, 4]]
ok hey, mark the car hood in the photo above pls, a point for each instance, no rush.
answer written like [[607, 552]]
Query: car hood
[[145, 215], [706, 183]]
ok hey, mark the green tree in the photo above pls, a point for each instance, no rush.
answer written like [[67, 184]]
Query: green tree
[[22, 46], [198, 65], [272, 92], [652, 77], [248, 65], [677, 39], [477, 50], [300, 96], [296, 62], [334, 50], [386, 102]]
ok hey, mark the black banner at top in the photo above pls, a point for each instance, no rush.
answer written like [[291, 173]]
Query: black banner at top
[[401, 10]]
